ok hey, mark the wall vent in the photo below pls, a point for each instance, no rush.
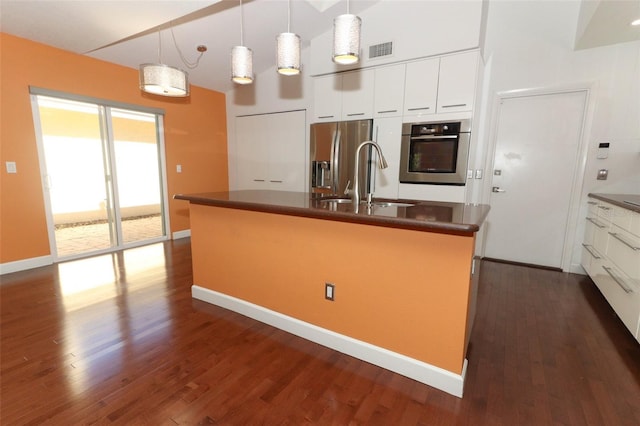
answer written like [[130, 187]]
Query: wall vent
[[382, 49]]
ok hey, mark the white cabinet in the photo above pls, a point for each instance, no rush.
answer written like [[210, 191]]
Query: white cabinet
[[421, 87], [357, 94], [457, 82], [388, 93], [611, 257], [271, 151], [387, 133], [327, 98]]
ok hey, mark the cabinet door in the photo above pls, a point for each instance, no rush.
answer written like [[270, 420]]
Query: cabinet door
[[357, 95], [457, 82], [388, 94], [387, 133], [287, 143], [421, 87], [252, 163], [327, 98]]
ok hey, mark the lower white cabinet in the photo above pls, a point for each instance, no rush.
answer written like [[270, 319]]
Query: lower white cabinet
[[611, 257], [271, 151]]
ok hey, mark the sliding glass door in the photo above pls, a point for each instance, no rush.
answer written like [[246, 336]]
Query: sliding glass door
[[102, 174]]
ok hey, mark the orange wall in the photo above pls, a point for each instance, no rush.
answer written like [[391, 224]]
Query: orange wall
[[195, 136], [406, 291]]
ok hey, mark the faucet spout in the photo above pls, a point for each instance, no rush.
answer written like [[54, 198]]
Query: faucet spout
[[355, 194]]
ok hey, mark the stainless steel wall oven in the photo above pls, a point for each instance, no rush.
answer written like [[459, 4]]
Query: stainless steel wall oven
[[435, 152]]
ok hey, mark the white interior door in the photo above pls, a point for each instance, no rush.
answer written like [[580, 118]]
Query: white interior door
[[532, 178]]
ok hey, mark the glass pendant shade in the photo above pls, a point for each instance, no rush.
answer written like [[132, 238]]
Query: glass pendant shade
[[160, 79], [288, 53], [241, 65], [346, 39]]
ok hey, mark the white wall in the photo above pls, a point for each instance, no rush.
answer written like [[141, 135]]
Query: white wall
[[529, 44]]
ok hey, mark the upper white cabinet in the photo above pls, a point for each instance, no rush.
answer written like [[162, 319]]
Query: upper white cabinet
[[327, 98], [457, 82], [271, 151], [388, 98], [357, 94], [421, 87]]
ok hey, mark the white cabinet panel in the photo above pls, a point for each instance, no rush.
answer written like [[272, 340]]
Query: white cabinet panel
[[271, 151], [457, 82], [357, 95], [389, 91], [421, 87], [327, 98], [387, 133]]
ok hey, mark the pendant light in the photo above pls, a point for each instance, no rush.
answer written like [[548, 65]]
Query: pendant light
[[346, 38], [288, 50], [163, 80], [241, 59]]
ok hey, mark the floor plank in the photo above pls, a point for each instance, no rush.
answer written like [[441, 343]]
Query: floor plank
[[117, 339]]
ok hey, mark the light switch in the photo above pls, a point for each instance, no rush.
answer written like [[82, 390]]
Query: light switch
[[478, 173], [179, 168], [11, 167]]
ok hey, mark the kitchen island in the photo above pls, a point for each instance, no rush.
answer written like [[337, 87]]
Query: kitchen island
[[402, 274]]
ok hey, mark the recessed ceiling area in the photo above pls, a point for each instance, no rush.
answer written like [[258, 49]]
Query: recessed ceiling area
[[605, 22]]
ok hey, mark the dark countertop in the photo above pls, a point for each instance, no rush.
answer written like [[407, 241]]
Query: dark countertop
[[620, 200], [428, 216]]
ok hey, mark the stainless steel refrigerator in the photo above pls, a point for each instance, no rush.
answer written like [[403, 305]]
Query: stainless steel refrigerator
[[333, 149]]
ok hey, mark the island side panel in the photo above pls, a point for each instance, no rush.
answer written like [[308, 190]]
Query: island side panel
[[402, 290]]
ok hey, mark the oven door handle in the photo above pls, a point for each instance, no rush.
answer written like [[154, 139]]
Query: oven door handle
[[421, 138]]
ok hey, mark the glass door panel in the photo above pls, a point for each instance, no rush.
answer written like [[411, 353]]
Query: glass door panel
[[77, 182], [139, 184]]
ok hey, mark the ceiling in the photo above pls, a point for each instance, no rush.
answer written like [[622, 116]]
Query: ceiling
[[131, 32]]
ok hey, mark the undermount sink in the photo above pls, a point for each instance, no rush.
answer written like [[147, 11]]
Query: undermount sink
[[374, 203]]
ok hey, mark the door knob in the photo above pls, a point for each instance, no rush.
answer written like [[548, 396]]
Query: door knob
[[497, 189]]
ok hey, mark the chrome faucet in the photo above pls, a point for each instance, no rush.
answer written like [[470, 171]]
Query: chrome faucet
[[355, 192]]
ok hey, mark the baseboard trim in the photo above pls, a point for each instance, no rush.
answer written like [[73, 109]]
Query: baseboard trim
[[181, 234], [23, 265], [417, 370]]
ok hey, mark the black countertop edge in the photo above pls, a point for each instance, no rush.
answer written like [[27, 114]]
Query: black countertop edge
[[220, 199], [619, 200]]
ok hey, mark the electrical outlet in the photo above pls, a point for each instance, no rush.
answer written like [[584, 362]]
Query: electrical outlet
[[329, 291]]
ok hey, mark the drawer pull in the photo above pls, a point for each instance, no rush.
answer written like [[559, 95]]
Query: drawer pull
[[387, 111], [417, 109], [591, 251], [275, 181], [618, 280], [454, 105], [326, 116], [593, 203], [604, 207], [596, 223], [258, 180], [354, 114], [623, 241]]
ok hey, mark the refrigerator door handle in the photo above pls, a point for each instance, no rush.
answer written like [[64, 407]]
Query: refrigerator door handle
[[335, 150]]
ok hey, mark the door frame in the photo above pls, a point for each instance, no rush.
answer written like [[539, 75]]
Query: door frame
[[578, 178], [34, 92]]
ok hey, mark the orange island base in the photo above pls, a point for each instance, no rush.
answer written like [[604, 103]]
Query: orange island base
[[403, 275]]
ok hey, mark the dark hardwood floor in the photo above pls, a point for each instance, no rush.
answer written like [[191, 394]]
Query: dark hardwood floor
[[118, 339]]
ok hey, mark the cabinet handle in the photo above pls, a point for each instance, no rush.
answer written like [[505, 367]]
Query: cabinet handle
[[618, 280], [453, 105], [387, 111], [258, 180], [417, 109], [353, 114], [593, 203], [276, 181], [604, 207], [591, 251], [623, 241], [596, 223], [326, 116]]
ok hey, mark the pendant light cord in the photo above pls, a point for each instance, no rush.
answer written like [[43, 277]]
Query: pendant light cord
[[241, 25], [289, 17], [188, 64], [348, 7]]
